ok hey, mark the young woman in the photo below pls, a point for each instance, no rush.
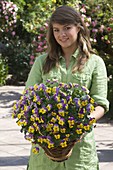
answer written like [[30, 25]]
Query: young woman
[[70, 58]]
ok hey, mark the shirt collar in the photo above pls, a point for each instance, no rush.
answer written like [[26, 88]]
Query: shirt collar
[[75, 54]]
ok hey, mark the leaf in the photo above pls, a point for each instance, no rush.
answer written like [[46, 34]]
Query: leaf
[[106, 37]]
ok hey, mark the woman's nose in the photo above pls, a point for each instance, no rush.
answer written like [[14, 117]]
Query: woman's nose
[[62, 33]]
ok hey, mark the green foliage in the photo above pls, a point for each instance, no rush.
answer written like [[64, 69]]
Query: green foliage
[[18, 58], [3, 71], [33, 14]]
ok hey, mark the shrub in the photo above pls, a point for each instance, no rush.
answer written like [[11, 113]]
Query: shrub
[[3, 71]]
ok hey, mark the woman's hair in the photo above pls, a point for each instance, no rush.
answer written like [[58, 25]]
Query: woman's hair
[[67, 15]]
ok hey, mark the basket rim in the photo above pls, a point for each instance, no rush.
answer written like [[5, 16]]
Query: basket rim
[[60, 159]]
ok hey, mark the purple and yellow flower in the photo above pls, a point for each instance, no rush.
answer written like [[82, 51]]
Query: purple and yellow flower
[[84, 102], [32, 118], [40, 120], [60, 105], [41, 87], [80, 115], [53, 113], [63, 130], [63, 144], [92, 120], [31, 129], [77, 102], [56, 128], [69, 99], [40, 139], [79, 131], [61, 112], [20, 115], [64, 101], [90, 108], [35, 150], [61, 121], [58, 117], [48, 90], [43, 110], [51, 145], [67, 135], [92, 100], [39, 102], [29, 137], [80, 125], [55, 90], [22, 122], [36, 98], [56, 98], [49, 107], [71, 122], [63, 94], [35, 87], [70, 85], [49, 127], [85, 89], [87, 127], [66, 106], [36, 126], [57, 136], [35, 110], [53, 119]]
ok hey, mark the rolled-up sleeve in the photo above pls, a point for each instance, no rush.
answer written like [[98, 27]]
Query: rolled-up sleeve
[[99, 83], [35, 75]]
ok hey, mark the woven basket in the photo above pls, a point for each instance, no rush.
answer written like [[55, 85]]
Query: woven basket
[[59, 154]]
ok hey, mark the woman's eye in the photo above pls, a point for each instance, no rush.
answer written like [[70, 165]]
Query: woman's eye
[[55, 30], [67, 28]]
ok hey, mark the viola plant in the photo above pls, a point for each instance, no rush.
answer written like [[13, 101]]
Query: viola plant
[[54, 114]]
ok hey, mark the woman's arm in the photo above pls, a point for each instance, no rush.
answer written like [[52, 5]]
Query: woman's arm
[[98, 89], [98, 113], [35, 75]]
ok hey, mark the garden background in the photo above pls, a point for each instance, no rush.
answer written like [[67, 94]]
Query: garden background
[[23, 26]]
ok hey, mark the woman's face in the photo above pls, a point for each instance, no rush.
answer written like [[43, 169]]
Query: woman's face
[[66, 35]]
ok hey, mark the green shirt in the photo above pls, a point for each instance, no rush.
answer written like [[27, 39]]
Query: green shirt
[[94, 77]]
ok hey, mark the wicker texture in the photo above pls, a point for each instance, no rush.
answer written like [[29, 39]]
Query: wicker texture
[[59, 154]]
